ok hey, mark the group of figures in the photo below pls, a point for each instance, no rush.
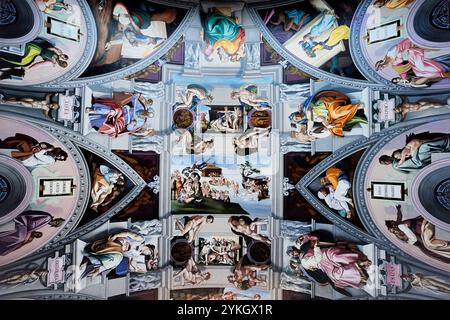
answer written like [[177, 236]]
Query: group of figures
[[227, 121], [36, 196], [334, 191], [31, 153], [57, 48], [226, 251], [316, 32], [206, 185]]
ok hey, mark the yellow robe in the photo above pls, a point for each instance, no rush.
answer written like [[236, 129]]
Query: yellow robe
[[397, 4], [339, 109]]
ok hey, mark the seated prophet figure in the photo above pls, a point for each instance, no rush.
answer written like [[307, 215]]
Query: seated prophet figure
[[31, 153], [417, 152], [26, 229], [107, 185], [114, 118], [341, 262], [223, 32], [103, 255], [332, 110], [420, 233]]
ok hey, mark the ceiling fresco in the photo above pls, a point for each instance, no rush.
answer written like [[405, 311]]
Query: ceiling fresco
[[242, 150]]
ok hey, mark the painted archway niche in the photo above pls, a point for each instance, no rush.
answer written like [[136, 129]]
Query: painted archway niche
[[396, 200], [39, 167]]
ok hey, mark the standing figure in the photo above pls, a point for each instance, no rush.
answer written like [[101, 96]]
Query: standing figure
[[25, 230]]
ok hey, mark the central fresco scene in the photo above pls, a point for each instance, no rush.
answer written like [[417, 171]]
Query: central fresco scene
[[214, 150]]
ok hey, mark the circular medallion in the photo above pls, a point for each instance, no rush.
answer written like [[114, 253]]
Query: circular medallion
[[442, 194], [5, 188], [16, 188], [20, 22], [8, 13]]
